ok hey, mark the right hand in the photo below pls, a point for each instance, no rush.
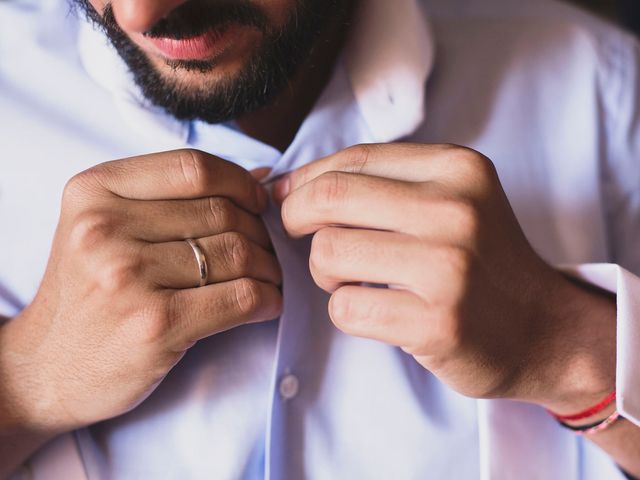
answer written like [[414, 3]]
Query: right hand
[[117, 307]]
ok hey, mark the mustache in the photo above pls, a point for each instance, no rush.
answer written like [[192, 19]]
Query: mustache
[[196, 17]]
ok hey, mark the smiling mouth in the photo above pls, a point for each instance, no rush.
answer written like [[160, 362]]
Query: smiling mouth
[[204, 46]]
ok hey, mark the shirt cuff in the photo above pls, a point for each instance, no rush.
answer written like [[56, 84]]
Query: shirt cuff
[[626, 286]]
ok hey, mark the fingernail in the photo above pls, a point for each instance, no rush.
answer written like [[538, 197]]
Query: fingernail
[[281, 189]]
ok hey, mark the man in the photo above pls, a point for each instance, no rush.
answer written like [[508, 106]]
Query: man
[[145, 348]]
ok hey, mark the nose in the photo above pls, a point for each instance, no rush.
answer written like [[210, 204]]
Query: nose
[[138, 16]]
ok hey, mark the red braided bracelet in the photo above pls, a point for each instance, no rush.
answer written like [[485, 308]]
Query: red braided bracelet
[[589, 412]]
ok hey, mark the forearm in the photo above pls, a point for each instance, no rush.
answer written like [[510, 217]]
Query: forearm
[[19, 438], [622, 442]]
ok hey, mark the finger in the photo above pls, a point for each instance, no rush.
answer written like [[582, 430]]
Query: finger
[[394, 317], [361, 201], [172, 220], [179, 174], [229, 256], [342, 256], [399, 161], [337, 198], [201, 312]]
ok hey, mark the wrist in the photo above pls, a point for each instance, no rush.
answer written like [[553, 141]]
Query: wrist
[[580, 364], [588, 420], [26, 402]]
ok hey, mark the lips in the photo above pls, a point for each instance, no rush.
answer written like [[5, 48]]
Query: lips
[[201, 47]]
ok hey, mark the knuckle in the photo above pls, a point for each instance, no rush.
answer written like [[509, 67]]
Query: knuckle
[[486, 166], [154, 320], [90, 229], [193, 169], [331, 188], [452, 266], [475, 163], [459, 260], [74, 187], [239, 251], [289, 214], [459, 266], [464, 215], [444, 334], [322, 280], [220, 213], [341, 311], [323, 249], [118, 274], [248, 296], [79, 187], [356, 157]]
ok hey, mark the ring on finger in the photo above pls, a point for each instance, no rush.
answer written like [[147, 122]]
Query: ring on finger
[[203, 270]]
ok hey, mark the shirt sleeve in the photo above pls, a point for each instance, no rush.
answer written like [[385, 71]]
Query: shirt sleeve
[[620, 181], [626, 286], [620, 169]]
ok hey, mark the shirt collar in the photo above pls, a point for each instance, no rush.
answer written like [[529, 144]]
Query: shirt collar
[[388, 59]]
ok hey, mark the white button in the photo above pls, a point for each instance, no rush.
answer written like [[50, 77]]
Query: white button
[[289, 386]]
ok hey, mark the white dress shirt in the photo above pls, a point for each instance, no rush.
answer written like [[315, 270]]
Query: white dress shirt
[[549, 93]]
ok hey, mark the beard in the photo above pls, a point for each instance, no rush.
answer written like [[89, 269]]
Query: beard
[[266, 73]]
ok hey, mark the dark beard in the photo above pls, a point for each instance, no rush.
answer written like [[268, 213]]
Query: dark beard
[[266, 74]]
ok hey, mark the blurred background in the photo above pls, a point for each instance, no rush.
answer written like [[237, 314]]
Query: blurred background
[[626, 12]]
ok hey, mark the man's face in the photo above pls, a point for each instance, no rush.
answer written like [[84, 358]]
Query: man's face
[[213, 60]]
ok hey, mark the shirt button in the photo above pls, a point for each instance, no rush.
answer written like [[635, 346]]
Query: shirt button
[[289, 386]]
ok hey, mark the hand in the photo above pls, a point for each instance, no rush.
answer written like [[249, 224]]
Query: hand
[[468, 297], [117, 308]]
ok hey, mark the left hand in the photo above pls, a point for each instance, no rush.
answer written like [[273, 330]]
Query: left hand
[[468, 296]]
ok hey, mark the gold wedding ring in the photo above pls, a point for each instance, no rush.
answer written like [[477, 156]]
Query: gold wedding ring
[[203, 272]]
